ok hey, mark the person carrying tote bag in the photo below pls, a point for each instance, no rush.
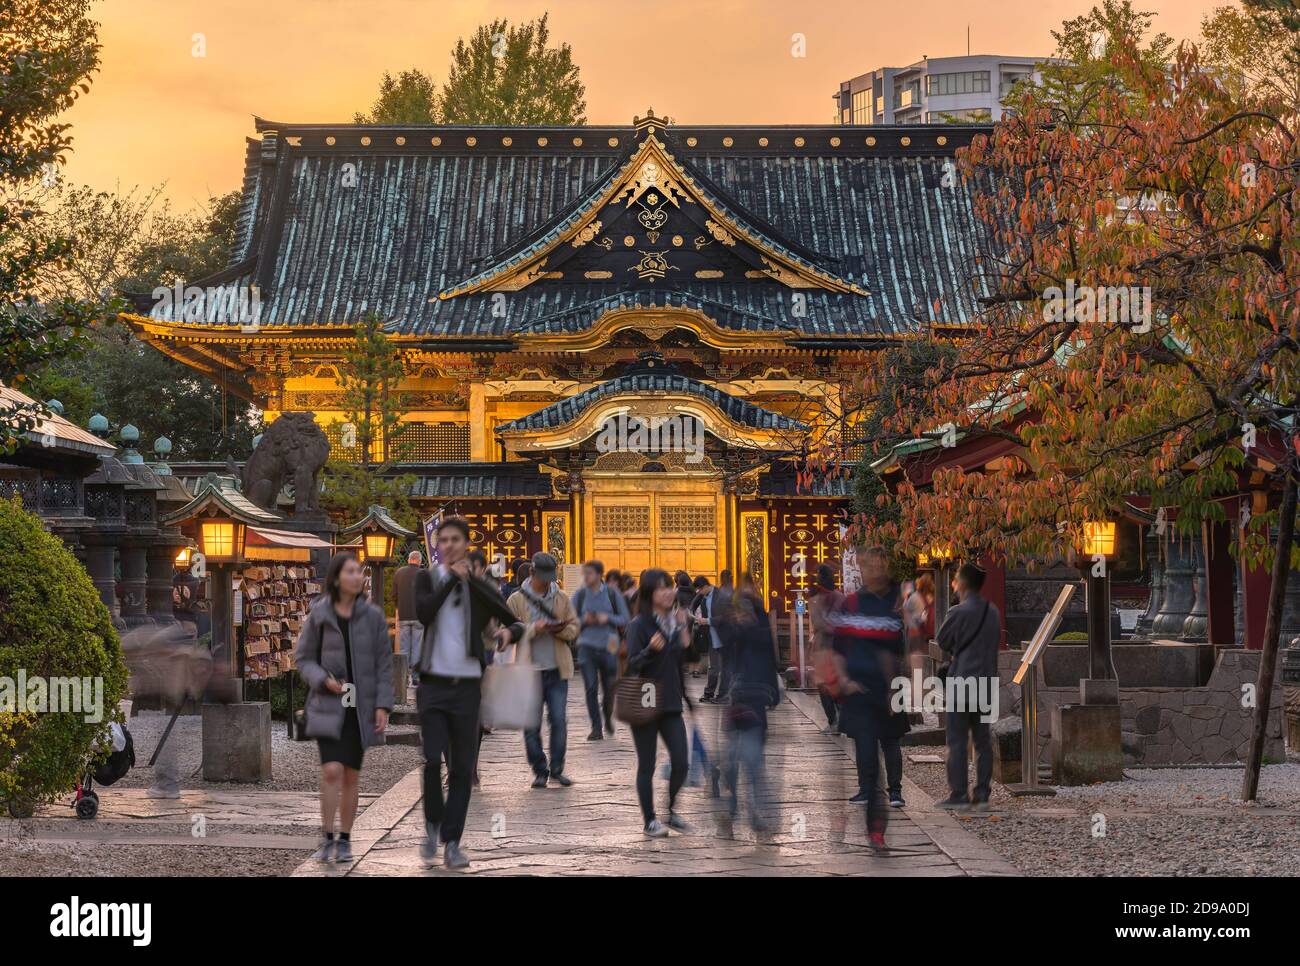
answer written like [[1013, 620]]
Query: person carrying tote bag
[[512, 692], [656, 648]]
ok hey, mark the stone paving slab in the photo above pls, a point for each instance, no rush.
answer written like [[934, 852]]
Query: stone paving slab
[[594, 827]]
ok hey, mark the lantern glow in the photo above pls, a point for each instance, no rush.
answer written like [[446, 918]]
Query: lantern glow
[[221, 540], [1099, 538]]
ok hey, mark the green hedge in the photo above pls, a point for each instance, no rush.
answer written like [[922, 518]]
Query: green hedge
[[52, 625]]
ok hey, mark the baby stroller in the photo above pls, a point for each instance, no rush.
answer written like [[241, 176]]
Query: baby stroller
[[120, 761]]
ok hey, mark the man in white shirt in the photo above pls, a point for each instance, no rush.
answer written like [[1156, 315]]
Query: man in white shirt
[[455, 608]]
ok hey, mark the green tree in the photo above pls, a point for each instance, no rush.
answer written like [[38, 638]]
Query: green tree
[[1083, 67], [48, 52], [368, 443], [132, 241], [409, 98], [509, 75], [1255, 53], [52, 625]]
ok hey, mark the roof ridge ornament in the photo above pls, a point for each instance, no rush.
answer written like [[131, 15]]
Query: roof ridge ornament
[[651, 120]]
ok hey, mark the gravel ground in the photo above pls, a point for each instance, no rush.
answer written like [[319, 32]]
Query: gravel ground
[[295, 765], [1142, 826], [46, 860]]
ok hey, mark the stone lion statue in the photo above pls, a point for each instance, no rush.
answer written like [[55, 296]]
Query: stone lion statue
[[292, 450]]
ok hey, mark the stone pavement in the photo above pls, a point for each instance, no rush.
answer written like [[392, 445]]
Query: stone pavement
[[594, 827]]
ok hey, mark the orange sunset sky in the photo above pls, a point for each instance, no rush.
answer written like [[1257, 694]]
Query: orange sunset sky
[[158, 114]]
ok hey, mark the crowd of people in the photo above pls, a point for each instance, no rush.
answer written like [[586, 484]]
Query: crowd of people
[[635, 639]]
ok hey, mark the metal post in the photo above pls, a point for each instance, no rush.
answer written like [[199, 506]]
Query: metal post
[[799, 608], [1029, 730]]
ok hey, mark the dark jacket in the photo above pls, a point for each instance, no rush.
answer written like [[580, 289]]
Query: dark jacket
[[404, 588], [754, 686], [431, 591], [663, 667], [319, 654], [976, 645]]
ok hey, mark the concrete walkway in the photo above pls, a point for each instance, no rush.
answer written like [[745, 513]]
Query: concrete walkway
[[594, 827]]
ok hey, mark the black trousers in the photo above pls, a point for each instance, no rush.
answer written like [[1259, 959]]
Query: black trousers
[[645, 738], [958, 725], [448, 709]]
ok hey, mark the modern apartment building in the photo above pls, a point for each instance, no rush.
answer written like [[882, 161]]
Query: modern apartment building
[[934, 90]]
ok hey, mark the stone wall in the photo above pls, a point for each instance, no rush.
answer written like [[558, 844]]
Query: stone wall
[[1164, 725]]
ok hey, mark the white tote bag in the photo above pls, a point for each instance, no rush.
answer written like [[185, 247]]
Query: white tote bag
[[512, 693]]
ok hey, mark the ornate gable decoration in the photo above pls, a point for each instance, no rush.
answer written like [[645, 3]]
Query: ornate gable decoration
[[651, 224]]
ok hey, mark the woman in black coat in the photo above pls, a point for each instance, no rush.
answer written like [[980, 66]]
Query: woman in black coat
[[656, 649]]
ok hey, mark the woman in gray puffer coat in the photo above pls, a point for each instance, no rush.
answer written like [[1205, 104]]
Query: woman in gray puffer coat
[[344, 656]]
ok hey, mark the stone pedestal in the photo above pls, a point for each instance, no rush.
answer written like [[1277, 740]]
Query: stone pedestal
[[237, 742], [1007, 757], [401, 678], [135, 582], [1098, 691], [1086, 744]]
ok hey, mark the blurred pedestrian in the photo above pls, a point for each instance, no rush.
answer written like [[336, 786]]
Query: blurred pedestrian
[[344, 656], [409, 629], [657, 646], [868, 637], [825, 600], [754, 690], [602, 617]]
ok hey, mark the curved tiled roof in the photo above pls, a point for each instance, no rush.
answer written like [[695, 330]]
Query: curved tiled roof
[[652, 383], [339, 221]]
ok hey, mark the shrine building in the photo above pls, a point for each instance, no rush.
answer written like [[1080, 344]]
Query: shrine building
[[618, 342]]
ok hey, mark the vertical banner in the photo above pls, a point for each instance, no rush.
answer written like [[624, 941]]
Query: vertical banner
[[850, 577], [431, 538]]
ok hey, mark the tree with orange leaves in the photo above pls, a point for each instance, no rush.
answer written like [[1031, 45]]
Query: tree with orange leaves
[[1140, 326]]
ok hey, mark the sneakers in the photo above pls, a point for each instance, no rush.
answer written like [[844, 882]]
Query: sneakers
[[954, 802], [861, 798], [539, 781], [429, 847], [979, 805], [325, 853], [343, 850], [877, 842], [896, 800], [163, 791], [453, 857], [706, 699], [656, 829], [677, 823], [595, 736], [564, 781]]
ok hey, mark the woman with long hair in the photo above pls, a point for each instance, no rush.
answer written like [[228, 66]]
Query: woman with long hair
[[344, 656], [656, 648]]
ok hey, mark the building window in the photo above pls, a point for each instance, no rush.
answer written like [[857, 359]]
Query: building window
[[970, 115], [961, 82], [862, 107]]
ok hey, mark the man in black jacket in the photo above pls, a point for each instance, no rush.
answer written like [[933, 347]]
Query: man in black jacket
[[971, 634], [455, 608]]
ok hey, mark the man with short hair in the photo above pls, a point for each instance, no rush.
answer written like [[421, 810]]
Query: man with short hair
[[971, 634], [541, 607], [409, 628], [602, 615], [455, 608], [708, 642]]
